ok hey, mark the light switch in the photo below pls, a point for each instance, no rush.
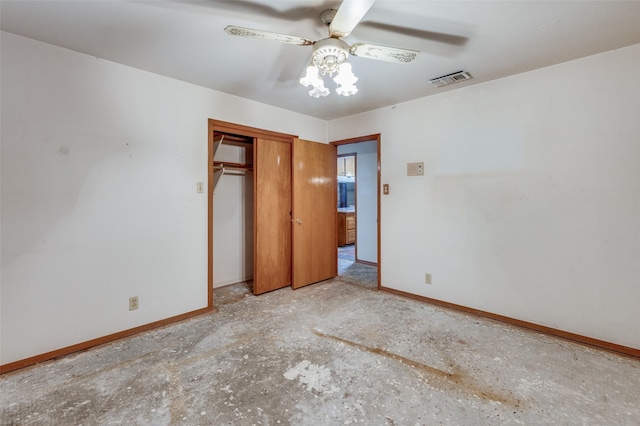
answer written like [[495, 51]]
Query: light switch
[[199, 187]]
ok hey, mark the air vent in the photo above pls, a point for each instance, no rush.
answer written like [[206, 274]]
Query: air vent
[[448, 79]]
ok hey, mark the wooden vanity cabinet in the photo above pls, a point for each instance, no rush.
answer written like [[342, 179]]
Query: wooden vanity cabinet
[[346, 228]]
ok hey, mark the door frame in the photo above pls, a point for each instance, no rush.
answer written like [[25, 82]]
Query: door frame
[[370, 138]]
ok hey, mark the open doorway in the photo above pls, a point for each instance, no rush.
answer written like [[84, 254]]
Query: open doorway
[[347, 230], [358, 210]]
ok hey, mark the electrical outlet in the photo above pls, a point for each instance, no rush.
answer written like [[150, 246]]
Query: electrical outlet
[[415, 169], [133, 303], [427, 278]]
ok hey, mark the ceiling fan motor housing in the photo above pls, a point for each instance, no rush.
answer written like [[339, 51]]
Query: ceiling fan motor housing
[[328, 53], [327, 16]]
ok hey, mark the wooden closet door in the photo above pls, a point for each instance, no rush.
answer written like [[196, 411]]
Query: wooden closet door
[[272, 215], [315, 242]]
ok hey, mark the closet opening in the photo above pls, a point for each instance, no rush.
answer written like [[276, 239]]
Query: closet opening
[[269, 192], [233, 218]]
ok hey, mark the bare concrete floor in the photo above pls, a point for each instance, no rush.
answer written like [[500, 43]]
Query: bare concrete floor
[[332, 353]]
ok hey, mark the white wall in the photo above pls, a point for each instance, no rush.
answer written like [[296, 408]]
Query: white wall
[[99, 170], [530, 203], [529, 206], [366, 202]]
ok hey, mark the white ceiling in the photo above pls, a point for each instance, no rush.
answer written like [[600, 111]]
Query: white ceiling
[[186, 41]]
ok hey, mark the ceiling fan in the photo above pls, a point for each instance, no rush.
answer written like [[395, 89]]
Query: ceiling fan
[[330, 55]]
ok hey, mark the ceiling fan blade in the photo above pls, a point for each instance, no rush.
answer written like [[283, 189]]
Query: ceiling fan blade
[[348, 16], [384, 53], [266, 35], [440, 37]]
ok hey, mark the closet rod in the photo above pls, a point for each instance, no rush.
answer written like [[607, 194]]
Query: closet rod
[[218, 171], [230, 171], [232, 166]]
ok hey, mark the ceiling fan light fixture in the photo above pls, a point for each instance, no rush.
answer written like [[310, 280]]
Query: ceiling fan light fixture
[[312, 78], [345, 80], [347, 90], [318, 91], [328, 54]]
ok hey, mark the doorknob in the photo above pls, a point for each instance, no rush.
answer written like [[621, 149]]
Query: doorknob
[[299, 221]]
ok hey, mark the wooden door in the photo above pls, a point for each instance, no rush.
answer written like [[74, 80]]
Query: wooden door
[[315, 245], [272, 215]]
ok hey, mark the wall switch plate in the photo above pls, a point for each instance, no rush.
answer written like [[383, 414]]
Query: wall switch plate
[[385, 189], [427, 278], [133, 303], [415, 169], [199, 187]]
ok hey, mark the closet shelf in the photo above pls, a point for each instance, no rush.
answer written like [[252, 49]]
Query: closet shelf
[[225, 168], [230, 140]]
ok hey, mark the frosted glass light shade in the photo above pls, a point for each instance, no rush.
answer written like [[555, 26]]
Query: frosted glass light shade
[[346, 80], [312, 78], [318, 91]]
